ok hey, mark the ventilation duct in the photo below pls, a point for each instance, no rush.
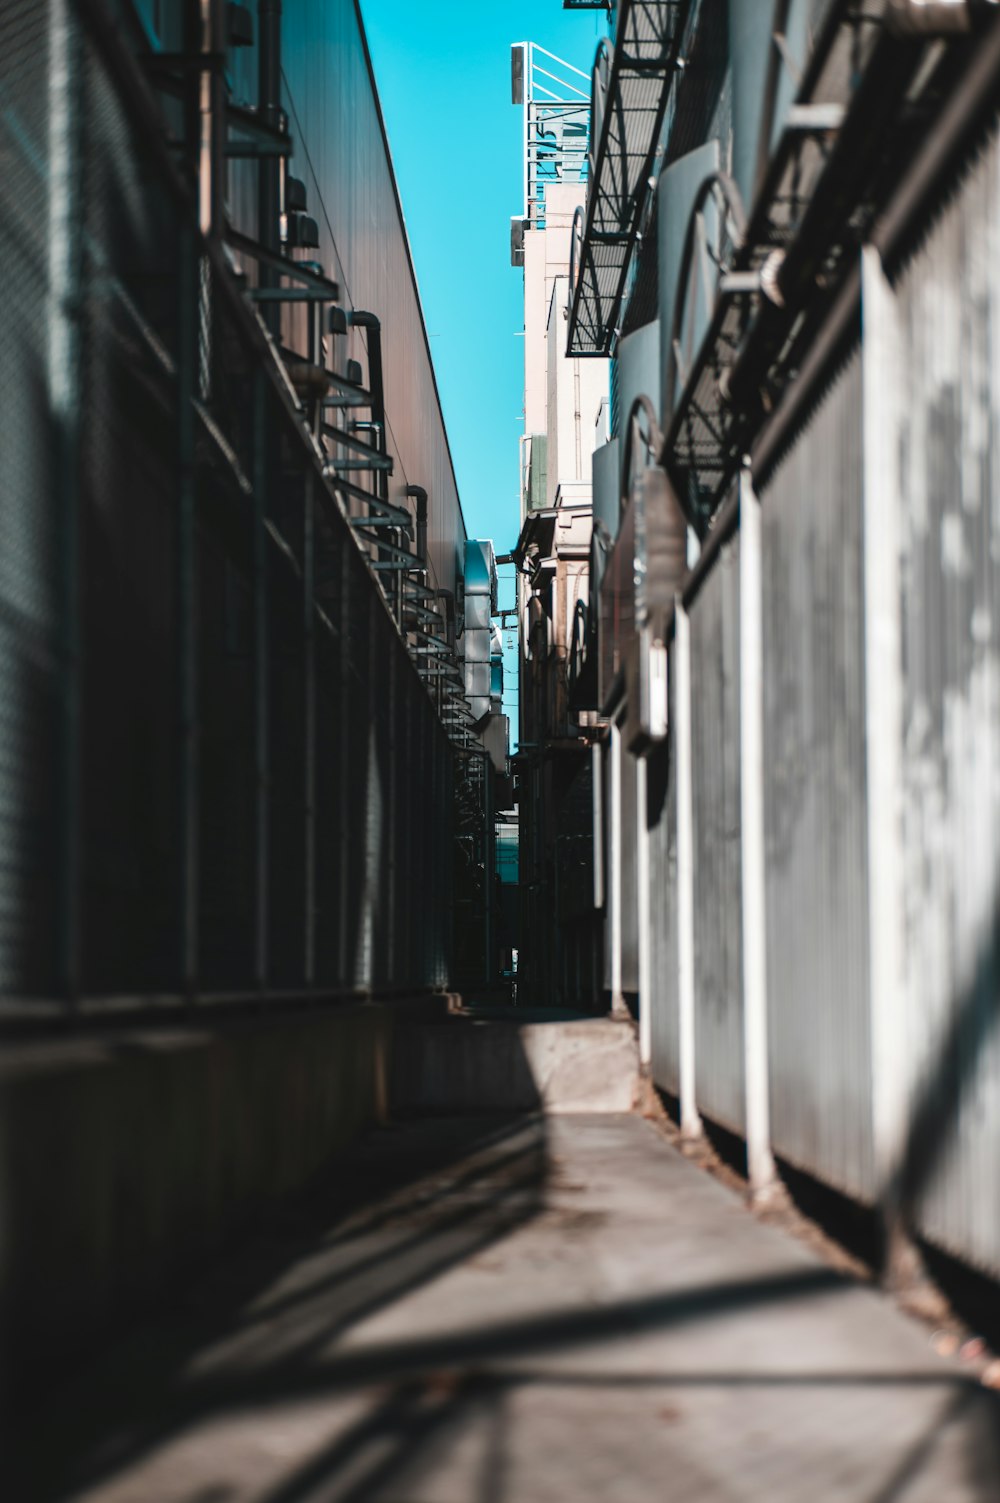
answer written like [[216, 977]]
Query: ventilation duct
[[480, 605]]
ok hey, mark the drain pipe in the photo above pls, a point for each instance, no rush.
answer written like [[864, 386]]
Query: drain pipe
[[420, 496], [370, 321]]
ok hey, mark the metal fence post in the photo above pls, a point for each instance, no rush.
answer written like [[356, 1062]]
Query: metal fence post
[[883, 751], [760, 1163], [187, 688], [64, 397], [309, 725], [614, 894], [690, 1120], [642, 865], [260, 684]]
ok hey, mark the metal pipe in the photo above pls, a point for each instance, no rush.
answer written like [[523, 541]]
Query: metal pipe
[[489, 863], [420, 496], [186, 605], [212, 126], [261, 711], [597, 813], [269, 168], [876, 102], [309, 725], [362, 319], [371, 322]]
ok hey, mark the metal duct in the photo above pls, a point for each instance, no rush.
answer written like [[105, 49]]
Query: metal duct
[[480, 604]]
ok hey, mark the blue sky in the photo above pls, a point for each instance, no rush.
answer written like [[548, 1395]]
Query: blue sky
[[443, 73]]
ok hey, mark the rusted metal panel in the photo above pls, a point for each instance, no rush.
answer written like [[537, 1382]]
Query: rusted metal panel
[[948, 305], [814, 796], [718, 934]]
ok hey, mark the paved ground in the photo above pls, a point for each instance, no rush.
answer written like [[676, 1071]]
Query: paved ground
[[541, 1311]]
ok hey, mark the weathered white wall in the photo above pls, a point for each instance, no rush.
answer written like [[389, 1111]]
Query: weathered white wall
[[948, 451]]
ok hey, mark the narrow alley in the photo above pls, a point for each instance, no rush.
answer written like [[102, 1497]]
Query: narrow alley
[[500, 751], [554, 1306]]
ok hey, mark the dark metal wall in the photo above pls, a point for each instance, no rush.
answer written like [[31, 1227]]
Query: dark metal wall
[[219, 770]]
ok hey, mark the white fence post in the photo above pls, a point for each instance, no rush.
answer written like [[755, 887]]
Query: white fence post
[[760, 1163], [615, 870], [690, 1121], [642, 870], [884, 750]]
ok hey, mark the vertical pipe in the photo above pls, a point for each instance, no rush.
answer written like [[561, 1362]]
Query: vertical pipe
[[760, 1163], [392, 822], [615, 883], [309, 725], [211, 134], [642, 863], [64, 395], [346, 932], [189, 292], [185, 590], [261, 711], [883, 751], [269, 168], [690, 1121], [490, 864], [597, 810]]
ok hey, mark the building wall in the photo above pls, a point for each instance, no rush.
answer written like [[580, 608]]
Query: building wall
[[546, 257], [718, 913], [575, 390], [342, 154], [947, 442], [815, 795], [205, 694], [870, 500]]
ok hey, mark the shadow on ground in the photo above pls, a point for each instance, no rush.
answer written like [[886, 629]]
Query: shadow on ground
[[268, 1341]]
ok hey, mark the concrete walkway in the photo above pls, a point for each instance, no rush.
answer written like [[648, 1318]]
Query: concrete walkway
[[543, 1310]]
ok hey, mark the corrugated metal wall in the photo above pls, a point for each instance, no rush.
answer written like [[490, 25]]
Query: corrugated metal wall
[[718, 930], [948, 304], [814, 796]]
